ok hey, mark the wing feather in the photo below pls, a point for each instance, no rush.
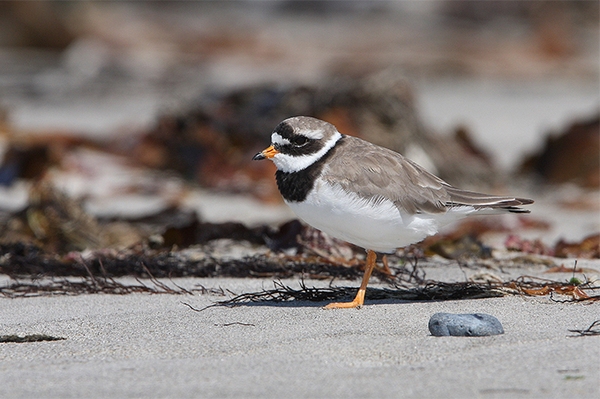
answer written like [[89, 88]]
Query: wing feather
[[377, 173]]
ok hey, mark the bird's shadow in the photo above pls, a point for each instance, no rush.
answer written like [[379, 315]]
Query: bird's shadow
[[316, 304], [285, 296]]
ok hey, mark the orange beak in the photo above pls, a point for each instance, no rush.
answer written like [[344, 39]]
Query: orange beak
[[267, 153]]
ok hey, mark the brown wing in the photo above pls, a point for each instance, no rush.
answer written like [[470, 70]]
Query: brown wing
[[376, 173]]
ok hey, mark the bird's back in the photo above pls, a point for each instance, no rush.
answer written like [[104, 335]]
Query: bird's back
[[377, 173]]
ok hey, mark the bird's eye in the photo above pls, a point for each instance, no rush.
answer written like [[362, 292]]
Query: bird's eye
[[300, 140]]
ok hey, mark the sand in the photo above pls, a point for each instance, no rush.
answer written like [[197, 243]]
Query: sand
[[154, 346]]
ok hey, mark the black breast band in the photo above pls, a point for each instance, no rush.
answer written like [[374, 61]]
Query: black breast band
[[295, 186]]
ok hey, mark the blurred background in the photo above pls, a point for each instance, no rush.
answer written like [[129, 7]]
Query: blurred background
[[149, 112]]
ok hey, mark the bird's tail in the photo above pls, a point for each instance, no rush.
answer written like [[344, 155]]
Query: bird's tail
[[481, 201]]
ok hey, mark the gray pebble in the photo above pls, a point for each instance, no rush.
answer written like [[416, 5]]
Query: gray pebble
[[464, 325]]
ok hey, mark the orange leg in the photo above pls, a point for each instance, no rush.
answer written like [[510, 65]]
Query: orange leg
[[386, 268], [360, 295]]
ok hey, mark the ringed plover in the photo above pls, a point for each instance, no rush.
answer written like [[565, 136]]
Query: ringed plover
[[365, 194]]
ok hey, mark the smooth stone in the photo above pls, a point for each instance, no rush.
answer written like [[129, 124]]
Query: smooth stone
[[464, 325]]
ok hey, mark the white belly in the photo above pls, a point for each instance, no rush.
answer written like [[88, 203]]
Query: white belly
[[375, 225]]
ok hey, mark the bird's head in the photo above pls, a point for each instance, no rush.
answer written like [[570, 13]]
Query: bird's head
[[298, 142]]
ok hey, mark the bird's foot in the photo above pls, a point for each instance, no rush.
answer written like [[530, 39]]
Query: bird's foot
[[356, 303], [344, 305]]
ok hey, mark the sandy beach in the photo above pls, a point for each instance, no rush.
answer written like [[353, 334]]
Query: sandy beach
[[141, 345], [148, 113]]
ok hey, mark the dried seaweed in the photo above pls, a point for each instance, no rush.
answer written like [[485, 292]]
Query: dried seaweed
[[50, 287], [28, 338], [426, 291], [19, 260], [593, 329], [91, 285], [535, 286], [587, 248], [96, 273], [429, 291]]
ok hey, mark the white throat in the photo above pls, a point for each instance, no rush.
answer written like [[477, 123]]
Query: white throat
[[289, 164]]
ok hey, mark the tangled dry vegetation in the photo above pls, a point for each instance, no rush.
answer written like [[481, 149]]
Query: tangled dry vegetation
[[37, 274], [47, 265]]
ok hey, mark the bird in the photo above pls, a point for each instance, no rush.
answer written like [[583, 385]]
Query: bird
[[365, 194]]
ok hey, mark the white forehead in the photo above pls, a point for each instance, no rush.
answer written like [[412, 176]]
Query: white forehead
[[277, 139]]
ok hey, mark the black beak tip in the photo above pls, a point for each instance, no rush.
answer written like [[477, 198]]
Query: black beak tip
[[258, 157]]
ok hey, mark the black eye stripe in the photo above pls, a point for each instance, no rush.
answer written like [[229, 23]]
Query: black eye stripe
[[299, 144], [310, 147], [299, 140], [295, 142], [287, 132]]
